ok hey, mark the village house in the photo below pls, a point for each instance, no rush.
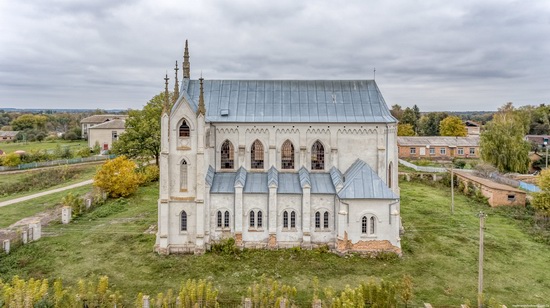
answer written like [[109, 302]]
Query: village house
[[473, 128], [88, 122], [497, 194], [277, 164], [106, 133], [6, 136], [438, 147]]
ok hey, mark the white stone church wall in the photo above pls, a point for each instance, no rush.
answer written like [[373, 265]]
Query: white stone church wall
[[183, 241], [322, 203], [253, 235], [221, 202], [289, 237], [381, 210]]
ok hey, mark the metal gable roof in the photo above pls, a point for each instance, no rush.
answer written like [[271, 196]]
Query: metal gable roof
[[223, 182], [321, 101], [361, 182]]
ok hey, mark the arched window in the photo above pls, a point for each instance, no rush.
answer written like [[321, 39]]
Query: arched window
[[259, 221], [183, 172], [325, 220], [364, 225], [287, 155], [184, 129], [220, 219], [252, 225], [285, 219], [183, 221], [372, 227], [292, 220], [317, 156], [257, 155], [227, 155], [226, 219], [390, 167], [317, 220]]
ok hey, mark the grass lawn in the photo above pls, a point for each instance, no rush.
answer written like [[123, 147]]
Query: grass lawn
[[440, 253], [46, 145], [15, 212], [83, 173]]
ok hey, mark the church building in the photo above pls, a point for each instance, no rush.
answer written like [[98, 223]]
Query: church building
[[278, 164]]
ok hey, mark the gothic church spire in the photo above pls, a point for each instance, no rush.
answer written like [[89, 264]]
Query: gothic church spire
[[201, 109], [176, 85], [186, 66], [166, 106]]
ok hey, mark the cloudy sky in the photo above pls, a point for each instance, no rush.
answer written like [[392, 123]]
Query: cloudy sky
[[113, 54]]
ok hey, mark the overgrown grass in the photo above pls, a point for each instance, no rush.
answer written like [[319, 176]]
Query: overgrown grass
[[9, 147], [15, 185], [15, 212], [440, 253]]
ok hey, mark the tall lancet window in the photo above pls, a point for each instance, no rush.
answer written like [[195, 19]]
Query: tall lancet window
[[287, 155], [227, 155], [257, 155], [317, 156], [184, 129], [183, 174]]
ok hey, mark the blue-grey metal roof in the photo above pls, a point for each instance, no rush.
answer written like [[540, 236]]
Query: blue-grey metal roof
[[321, 101], [304, 177], [223, 182], [321, 183], [210, 175], [361, 182], [336, 176], [289, 183], [273, 177], [256, 183], [240, 177]]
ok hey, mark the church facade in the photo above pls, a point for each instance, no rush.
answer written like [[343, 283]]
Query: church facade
[[278, 164]]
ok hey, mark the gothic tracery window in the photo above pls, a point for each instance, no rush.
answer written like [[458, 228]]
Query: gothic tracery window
[[372, 226], [227, 154], [325, 220], [257, 155], [184, 129], [252, 224], [317, 156], [287, 155], [226, 219], [317, 220], [183, 175], [364, 225], [292, 219], [285, 219], [183, 221], [259, 221], [220, 219]]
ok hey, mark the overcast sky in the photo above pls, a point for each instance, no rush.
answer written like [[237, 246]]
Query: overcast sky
[[113, 54]]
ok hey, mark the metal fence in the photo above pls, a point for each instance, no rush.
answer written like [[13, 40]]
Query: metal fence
[[57, 162]]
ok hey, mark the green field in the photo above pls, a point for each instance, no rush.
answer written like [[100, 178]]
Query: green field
[[440, 253], [82, 173], [9, 147]]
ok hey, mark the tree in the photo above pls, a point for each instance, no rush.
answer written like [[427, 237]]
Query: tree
[[118, 177], [452, 126], [428, 125], [541, 200], [411, 116], [405, 130], [142, 136], [502, 142], [396, 111]]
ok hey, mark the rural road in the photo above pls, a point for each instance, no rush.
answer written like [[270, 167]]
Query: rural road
[[44, 193]]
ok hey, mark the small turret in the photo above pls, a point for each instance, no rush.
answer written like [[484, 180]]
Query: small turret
[[176, 85], [202, 108], [186, 65]]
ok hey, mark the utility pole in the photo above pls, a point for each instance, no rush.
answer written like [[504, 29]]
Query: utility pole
[[480, 270]]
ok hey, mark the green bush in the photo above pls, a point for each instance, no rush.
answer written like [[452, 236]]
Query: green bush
[[11, 160], [151, 173], [225, 247]]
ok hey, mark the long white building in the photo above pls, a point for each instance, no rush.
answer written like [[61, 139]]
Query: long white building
[[276, 164]]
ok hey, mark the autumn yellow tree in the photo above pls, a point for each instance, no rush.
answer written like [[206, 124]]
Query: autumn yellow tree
[[118, 177], [452, 126], [405, 130]]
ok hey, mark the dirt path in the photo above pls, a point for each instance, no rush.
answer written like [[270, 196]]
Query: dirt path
[[44, 193]]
